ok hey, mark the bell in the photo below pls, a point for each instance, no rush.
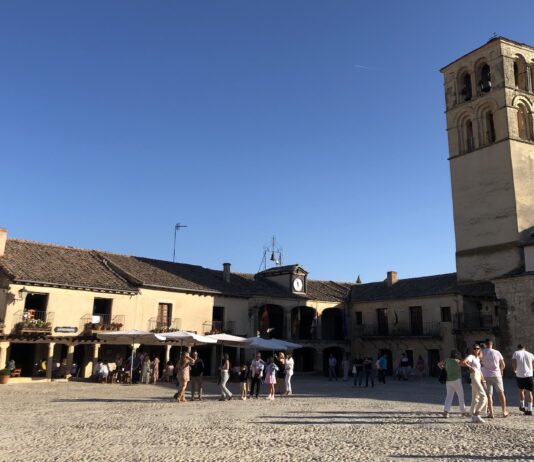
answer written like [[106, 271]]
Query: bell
[[273, 257]]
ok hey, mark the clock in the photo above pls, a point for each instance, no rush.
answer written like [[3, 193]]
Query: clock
[[298, 285]]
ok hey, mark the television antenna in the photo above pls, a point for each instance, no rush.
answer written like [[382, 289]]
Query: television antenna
[[177, 227]]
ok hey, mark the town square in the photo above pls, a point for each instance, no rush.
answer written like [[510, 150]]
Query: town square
[[285, 231]]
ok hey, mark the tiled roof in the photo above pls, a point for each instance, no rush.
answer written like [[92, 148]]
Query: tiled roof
[[63, 266], [441, 284], [55, 265]]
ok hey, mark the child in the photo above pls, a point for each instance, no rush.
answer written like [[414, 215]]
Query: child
[[243, 378], [270, 377]]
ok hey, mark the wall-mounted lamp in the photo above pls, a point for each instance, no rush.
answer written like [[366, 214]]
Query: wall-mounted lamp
[[23, 293]]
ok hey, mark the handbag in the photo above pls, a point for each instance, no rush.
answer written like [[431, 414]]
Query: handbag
[[442, 376]]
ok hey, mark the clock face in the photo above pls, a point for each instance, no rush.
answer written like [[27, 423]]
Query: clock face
[[298, 285]]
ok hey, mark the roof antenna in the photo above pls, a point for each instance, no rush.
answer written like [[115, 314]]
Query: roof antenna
[[177, 227]]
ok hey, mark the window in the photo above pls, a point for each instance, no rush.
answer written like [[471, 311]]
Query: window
[[164, 317], [524, 123], [382, 321], [490, 128], [358, 318], [446, 314], [469, 139], [35, 306], [102, 310], [484, 83], [416, 320], [521, 73], [466, 88]]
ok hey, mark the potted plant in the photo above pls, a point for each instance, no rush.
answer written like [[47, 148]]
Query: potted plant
[[4, 376]]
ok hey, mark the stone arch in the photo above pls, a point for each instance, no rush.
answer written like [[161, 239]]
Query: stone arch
[[520, 72], [525, 129], [271, 321], [465, 84], [483, 76], [487, 130], [338, 352], [466, 132], [304, 359], [303, 325], [332, 324]]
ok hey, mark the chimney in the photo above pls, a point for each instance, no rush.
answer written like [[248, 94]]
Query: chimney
[[226, 272], [392, 278], [3, 239]]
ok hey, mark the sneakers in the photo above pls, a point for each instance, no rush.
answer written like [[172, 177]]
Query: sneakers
[[465, 414], [522, 409], [477, 419], [445, 415], [528, 412]]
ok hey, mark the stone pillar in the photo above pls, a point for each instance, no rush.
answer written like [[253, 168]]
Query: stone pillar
[[3, 354], [213, 360], [70, 359], [50, 360], [287, 322], [319, 330], [238, 357], [167, 353], [96, 351]]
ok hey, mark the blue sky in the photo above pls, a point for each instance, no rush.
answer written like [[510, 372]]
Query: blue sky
[[318, 121]]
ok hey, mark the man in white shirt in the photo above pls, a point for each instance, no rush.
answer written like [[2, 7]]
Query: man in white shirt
[[492, 367], [523, 365], [257, 367]]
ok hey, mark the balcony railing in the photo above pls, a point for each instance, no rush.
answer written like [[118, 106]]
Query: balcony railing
[[484, 322], [427, 329], [159, 326], [33, 321], [98, 322], [218, 327]]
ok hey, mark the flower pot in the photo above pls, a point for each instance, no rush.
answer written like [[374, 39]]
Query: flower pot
[[4, 379]]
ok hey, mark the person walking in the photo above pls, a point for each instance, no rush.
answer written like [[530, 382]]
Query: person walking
[[225, 376], [280, 361], [145, 371], [492, 367], [168, 372], [479, 399], [270, 377], [243, 381], [182, 374], [358, 368], [420, 366], [332, 364], [453, 383], [197, 376], [155, 369], [368, 369], [290, 366], [257, 369], [382, 366], [345, 367], [523, 366]]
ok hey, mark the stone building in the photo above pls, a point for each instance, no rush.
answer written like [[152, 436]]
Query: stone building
[[489, 95], [54, 299]]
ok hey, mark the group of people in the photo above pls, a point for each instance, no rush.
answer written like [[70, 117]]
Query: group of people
[[276, 373], [486, 366]]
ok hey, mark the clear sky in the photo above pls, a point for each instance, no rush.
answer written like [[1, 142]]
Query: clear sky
[[318, 121]]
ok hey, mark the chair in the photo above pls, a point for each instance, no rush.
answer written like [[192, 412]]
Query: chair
[[16, 372]]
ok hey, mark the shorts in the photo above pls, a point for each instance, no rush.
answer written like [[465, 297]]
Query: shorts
[[525, 383], [494, 382]]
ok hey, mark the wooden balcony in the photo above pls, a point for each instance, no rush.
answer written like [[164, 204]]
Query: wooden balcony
[[158, 326], [218, 327], [29, 322], [91, 323]]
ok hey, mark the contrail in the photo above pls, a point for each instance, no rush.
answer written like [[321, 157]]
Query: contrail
[[359, 66]]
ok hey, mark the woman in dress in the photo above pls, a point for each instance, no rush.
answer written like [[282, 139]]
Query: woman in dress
[[270, 377], [182, 374], [420, 366], [290, 366], [168, 373], [280, 362], [145, 371], [225, 376], [155, 369], [453, 383], [479, 400]]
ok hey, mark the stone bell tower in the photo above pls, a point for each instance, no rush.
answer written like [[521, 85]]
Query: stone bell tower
[[489, 96]]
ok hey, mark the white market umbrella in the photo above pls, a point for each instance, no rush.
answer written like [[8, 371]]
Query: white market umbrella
[[133, 336], [187, 338], [271, 344], [227, 339]]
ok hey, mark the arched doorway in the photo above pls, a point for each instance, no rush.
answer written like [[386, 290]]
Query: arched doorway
[[302, 323], [332, 324], [271, 321], [335, 351], [304, 359]]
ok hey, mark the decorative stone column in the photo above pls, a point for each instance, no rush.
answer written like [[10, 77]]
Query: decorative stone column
[[3, 354], [167, 354], [213, 360], [70, 359], [50, 360], [96, 351]]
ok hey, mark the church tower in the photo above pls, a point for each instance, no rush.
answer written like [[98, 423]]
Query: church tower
[[489, 96]]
